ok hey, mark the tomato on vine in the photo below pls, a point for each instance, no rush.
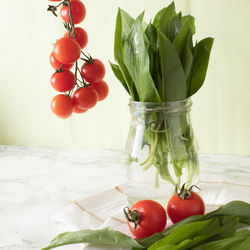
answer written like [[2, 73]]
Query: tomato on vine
[[185, 204], [93, 70], [62, 105], [80, 111], [57, 65], [145, 218], [78, 12], [85, 98], [67, 50], [81, 36], [101, 88], [63, 81]]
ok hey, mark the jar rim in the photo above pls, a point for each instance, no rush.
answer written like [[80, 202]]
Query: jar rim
[[161, 103], [169, 107]]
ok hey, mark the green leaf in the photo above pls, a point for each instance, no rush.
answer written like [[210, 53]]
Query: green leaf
[[173, 28], [187, 232], [119, 76], [103, 236], [173, 77], [239, 209], [190, 22], [187, 57], [230, 225], [151, 34], [181, 39], [137, 61], [124, 23], [201, 59], [227, 243], [163, 17], [244, 245]]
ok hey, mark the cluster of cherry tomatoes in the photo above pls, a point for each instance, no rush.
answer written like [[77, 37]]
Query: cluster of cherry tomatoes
[[77, 95]]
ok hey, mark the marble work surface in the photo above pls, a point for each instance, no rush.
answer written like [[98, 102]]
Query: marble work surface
[[37, 182]]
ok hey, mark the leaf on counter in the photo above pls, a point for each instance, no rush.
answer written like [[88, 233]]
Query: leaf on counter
[[201, 58], [228, 243], [243, 245], [173, 77], [189, 234], [103, 236], [124, 23], [136, 59], [117, 72], [239, 209]]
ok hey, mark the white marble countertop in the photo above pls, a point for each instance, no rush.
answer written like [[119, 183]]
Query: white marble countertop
[[37, 182]]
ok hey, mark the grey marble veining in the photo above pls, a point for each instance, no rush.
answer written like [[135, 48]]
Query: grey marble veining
[[36, 182]]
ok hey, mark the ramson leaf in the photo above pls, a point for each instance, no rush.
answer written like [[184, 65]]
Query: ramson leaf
[[117, 72], [103, 236], [124, 23], [173, 76], [201, 58], [137, 61], [163, 17], [189, 232], [228, 243]]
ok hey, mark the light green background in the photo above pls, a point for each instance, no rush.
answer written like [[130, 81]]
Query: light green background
[[221, 110]]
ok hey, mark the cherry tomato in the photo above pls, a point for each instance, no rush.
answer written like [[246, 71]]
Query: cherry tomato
[[78, 12], [67, 50], [93, 71], [80, 111], [150, 217], [101, 88], [85, 98], [62, 105], [57, 65], [81, 36], [179, 208], [63, 81]]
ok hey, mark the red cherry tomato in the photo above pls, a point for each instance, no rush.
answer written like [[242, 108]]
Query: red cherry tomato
[[67, 50], [62, 105], [80, 111], [63, 81], [85, 98], [101, 88], [57, 65], [78, 12], [179, 208], [81, 36], [152, 218], [93, 71]]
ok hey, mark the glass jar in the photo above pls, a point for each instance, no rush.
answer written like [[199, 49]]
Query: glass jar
[[160, 152]]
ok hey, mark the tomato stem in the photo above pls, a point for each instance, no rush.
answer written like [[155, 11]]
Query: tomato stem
[[132, 216], [184, 193]]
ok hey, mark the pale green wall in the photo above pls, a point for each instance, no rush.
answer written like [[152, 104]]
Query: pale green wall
[[221, 111]]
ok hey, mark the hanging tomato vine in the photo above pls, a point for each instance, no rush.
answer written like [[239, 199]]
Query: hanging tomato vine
[[81, 90]]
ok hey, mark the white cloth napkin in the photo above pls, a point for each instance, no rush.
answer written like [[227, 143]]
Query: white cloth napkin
[[105, 209]]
